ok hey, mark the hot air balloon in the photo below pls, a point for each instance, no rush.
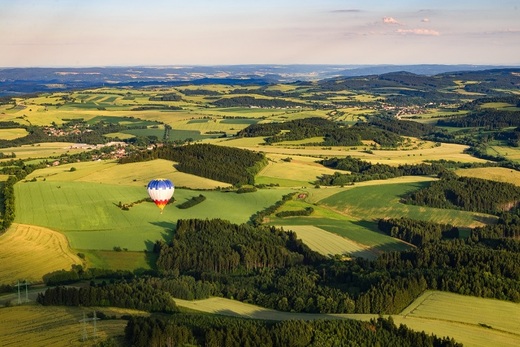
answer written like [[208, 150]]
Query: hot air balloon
[[161, 191]]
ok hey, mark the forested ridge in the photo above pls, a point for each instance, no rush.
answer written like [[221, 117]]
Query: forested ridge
[[210, 161], [489, 118], [333, 134], [201, 330]]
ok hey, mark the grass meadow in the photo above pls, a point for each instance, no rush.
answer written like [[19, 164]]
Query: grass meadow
[[87, 212]]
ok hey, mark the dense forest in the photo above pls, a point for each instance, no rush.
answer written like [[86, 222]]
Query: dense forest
[[208, 161], [488, 118], [200, 330]]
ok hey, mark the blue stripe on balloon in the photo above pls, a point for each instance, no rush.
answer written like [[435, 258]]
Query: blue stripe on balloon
[[160, 184]]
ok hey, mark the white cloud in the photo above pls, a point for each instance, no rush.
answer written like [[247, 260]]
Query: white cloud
[[425, 20], [424, 32], [390, 20]]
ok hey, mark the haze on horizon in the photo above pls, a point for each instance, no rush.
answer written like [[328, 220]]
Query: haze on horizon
[[59, 33]]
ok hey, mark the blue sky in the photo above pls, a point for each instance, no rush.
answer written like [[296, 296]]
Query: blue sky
[[213, 32]]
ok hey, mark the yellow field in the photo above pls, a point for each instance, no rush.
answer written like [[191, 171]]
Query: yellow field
[[133, 174], [473, 321], [57, 326], [425, 151], [42, 150], [315, 195], [303, 170], [327, 243], [499, 174], [29, 252], [235, 308], [11, 134], [507, 152]]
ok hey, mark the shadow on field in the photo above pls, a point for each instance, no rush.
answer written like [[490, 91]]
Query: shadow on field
[[485, 219]]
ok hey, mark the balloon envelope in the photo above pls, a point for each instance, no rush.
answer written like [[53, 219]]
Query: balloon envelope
[[161, 191]]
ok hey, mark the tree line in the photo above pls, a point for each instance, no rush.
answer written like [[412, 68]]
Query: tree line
[[204, 330], [248, 101]]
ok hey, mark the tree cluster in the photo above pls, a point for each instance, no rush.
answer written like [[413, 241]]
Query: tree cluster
[[208, 161], [218, 246], [417, 232], [467, 193]]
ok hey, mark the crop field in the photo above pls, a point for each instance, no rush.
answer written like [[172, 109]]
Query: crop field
[[424, 151], [28, 252], [87, 212], [470, 320], [499, 174], [373, 202], [330, 244], [299, 171], [12, 133], [56, 326], [507, 152], [362, 233], [235, 308], [42, 150]]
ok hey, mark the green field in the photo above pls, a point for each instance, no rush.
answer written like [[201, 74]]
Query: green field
[[370, 203], [87, 213]]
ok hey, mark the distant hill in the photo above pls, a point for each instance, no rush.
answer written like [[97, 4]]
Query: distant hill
[[15, 81]]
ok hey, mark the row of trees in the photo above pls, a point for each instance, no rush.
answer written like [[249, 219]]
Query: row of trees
[[200, 330], [192, 202], [138, 294]]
